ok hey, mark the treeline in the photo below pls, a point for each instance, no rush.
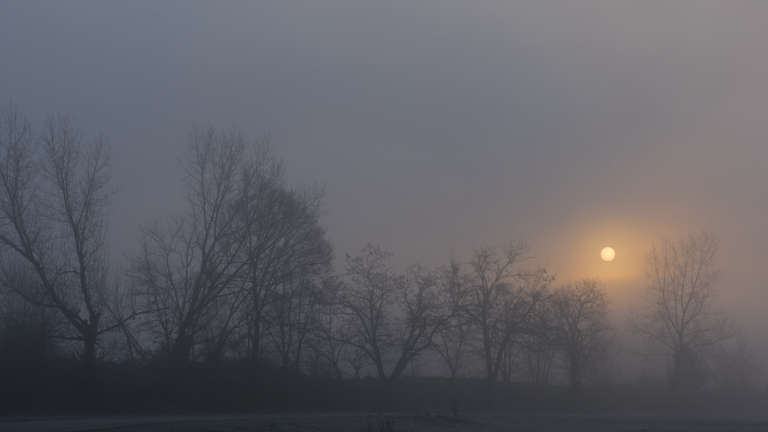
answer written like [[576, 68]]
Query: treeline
[[246, 272], [245, 275]]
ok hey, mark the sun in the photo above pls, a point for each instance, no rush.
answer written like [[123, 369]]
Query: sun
[[607, 254]]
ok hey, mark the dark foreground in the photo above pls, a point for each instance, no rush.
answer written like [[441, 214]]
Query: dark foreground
[[389, 422]]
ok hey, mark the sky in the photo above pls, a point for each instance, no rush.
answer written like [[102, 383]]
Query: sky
[[435, 127]]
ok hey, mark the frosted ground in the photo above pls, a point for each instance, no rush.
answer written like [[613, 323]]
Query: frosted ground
[[391, 422]]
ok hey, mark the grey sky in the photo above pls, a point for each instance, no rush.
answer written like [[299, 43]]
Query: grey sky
[[435, 126]]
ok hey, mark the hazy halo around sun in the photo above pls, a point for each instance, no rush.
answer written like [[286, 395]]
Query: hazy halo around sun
[[607, 254]]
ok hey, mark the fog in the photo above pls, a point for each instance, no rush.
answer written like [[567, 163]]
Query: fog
[[436, 128]]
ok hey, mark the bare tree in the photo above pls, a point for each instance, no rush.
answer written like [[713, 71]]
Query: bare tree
[[290, 317], [53, 195], [538, 345], [681, 300], [191, 274], [249, 249], [357, 360], [538, 353], [580, 322], [219, 338], [453, 337], [328, 335], [503, 300], [391, 317], [288, 257]]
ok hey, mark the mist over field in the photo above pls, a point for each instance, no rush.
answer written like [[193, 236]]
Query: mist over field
[[383, 207]]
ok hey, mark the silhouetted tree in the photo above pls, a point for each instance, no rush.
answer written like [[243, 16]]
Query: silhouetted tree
[[288, 258], [539, 346], [328, 336], [290, 317], [681, 295], [192, 274], [502, 302], [390, 315], [357, 359], [53, 195], [452, 339], [580, 323], [248, 251]]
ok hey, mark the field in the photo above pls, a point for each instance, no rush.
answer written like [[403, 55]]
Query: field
[[389, 422]]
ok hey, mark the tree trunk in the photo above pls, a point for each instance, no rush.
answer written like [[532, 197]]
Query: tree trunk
[[255, 351], [181, 350], [90, 338], [574, 375]]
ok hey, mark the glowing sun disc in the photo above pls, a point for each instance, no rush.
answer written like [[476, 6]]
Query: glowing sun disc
[[607, 254]]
